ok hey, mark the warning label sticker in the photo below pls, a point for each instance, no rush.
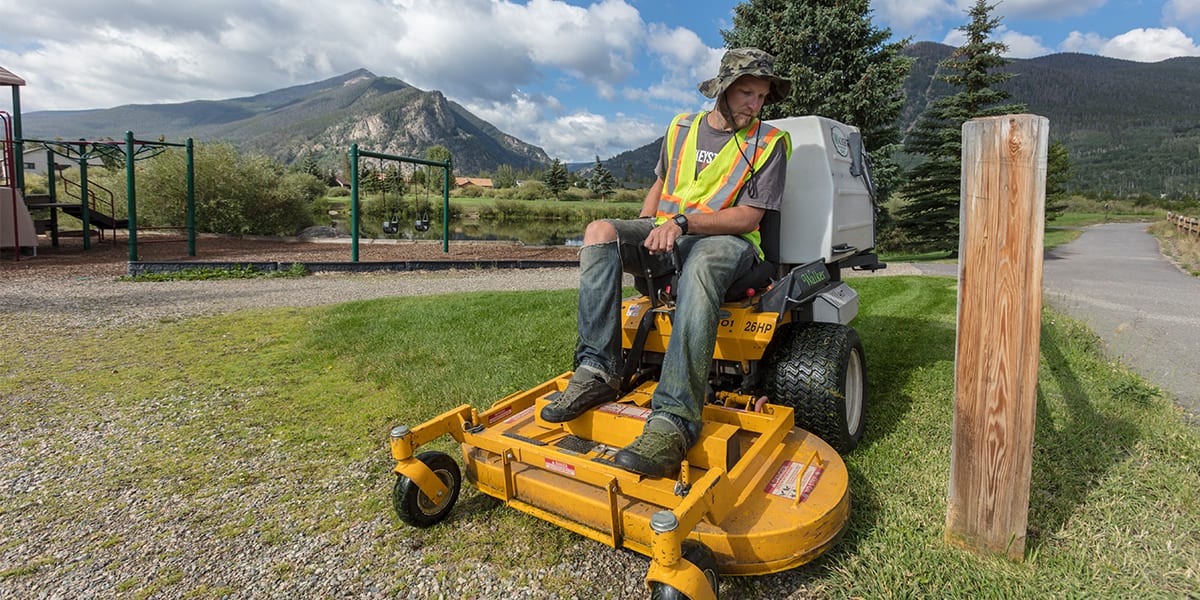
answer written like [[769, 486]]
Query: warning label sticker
[[625, 410], [787, 479], [519, 416], [559, 466], [499, 415]]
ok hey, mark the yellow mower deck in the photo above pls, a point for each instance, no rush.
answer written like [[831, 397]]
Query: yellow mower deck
[[763, 495]]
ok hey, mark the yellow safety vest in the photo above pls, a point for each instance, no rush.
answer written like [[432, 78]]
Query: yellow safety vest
[[716, 186]]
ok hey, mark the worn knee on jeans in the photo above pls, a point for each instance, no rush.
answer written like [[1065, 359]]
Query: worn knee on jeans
[[599, 232]]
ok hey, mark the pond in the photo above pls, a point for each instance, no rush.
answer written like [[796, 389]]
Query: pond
[[533, 233]]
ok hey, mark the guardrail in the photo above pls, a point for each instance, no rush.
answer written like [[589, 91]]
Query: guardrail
[[1189, 225]]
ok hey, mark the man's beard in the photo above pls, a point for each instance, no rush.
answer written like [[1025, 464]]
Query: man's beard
[[736, 121], [742, 120]]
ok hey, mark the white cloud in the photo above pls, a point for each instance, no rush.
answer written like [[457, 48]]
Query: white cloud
[[925, 19], [1142, 45], [502, 58], [684, 61], [918, 18], [581, 136], [1023, 46], [1181, 12], [578, 136], [466, 48], [1084, 43]]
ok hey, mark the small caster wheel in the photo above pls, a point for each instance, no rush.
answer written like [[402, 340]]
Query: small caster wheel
[[699, 555], [419, 510]]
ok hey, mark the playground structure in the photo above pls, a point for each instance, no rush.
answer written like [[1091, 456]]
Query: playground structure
[[88, 209], [16, 226], [97, 207], [91, 209], [19, 231]]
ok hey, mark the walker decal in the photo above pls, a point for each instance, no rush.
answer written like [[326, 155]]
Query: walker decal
[[841, 143], [784, 483], [559, 466], [633, 310]]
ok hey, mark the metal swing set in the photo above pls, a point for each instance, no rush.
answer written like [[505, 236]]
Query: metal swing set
[[392, 225]]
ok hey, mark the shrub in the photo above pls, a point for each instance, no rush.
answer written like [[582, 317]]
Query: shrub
[[470, 191], [629, 196], [532, 190], [235, 193]]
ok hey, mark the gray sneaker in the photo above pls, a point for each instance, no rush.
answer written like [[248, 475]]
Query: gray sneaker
[[588, 387], [658, 452]]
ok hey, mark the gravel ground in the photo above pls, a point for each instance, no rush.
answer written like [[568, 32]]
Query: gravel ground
[[80, 518]]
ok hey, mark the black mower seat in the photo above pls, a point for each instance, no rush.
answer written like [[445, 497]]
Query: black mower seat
[[657, 273]]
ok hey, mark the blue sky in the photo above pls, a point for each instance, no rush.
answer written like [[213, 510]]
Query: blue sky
[[577, 78]]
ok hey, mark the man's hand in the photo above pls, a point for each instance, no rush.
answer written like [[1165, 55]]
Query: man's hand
[[662, 238]]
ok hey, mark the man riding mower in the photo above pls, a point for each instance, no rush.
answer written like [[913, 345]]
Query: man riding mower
[[761, 490]]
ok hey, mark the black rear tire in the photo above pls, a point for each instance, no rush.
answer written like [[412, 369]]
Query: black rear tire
[[419, 510], [820, 371], [698, 554]]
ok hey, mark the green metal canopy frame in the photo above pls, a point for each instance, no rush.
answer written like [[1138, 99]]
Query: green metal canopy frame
[[131, 151]]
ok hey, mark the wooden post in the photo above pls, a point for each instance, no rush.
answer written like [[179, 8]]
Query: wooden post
[[1002, 217]]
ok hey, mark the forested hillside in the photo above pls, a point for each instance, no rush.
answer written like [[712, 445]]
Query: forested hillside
[[1130, 127]]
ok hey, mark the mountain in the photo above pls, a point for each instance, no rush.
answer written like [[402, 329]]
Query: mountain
[[1129, 127], [636, 165], [631, 166], [322, 119]]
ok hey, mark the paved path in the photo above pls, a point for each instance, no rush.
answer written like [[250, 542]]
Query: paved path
[[1146, 310]]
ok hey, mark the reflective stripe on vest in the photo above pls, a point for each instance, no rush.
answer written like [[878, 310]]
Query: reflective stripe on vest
[[716, 186]]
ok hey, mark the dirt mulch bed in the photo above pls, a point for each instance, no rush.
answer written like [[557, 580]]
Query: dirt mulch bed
[[111, 259]]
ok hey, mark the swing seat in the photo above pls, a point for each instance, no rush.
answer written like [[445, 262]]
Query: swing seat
[[391, 227], [421, 225]]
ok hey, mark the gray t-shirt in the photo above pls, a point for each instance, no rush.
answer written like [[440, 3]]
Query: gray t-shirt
[[765, 187]]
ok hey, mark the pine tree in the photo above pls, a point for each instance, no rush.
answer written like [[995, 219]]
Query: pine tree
[[555, 178], [435, 176], [601, 182], [1058, 173], [840, 64], [932, 192], [309, 165], [505, 177]]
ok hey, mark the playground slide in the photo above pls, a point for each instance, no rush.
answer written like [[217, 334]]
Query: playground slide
[[16, 226]]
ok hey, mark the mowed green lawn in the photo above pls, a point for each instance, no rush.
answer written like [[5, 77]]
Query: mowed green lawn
[[1114, 506]]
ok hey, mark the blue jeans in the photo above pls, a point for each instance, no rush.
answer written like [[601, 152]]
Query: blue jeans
[[711, 263]]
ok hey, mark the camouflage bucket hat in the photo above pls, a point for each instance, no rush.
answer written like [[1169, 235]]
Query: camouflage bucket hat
[[747, 61]]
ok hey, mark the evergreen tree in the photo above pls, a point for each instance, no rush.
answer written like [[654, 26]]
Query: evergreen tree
[[1058, 173], [840, 64], [505, 177], [930, 215], [602, 181], [309, 165], [434, 175], [556, 178]]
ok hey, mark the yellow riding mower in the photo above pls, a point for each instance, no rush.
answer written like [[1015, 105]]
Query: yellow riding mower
[[764, 489]]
